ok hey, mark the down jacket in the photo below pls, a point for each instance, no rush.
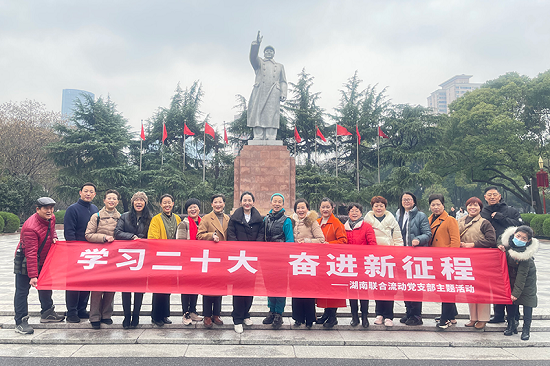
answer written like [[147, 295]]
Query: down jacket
[[387, 231], [240, 230], [418, 225], [361, 234], [32, 235], [521, 270], [97, 230], [308, 228], [126, 229]]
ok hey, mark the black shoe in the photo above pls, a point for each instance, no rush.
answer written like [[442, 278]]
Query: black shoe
[[84, 315], [354, 320], [525, 335], [73, 319], [277, 321], [166, 320], [414, 320], [404, 319], [107, 321], [309, 325], [331, 322], [512, 327], [126, 322], [297, 323], [50, 316], [96, 325], [322, 319], [269, 318], [364, 320], [158, 323], [24, 327], [495, 320], [135, 321]]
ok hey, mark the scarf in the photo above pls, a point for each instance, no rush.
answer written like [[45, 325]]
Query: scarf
[[353, 223], [193, 228]]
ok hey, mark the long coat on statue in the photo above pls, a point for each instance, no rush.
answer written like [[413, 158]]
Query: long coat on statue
[[270, 84]]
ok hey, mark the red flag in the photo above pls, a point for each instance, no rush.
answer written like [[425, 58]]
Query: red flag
[[358, 135], [382, 134], [187, 131], [142, 135], [320, 135], [342, 131], [164, 133], [225, 139], [297, 136], [209, 130]]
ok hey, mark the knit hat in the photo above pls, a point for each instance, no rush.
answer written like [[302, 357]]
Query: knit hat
[[277, 194], [192, 201], [139, 195]]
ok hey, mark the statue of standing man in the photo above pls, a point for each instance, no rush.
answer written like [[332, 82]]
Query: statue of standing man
[[270, 89]]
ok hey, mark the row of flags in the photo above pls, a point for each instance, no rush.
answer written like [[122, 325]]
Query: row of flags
[[208, 130], [340, 131]]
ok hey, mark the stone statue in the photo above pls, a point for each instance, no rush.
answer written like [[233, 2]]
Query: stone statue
[[270, 89]]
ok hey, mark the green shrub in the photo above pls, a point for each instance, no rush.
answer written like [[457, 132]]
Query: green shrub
[[59, 216], [527, 217], [1, 224], [537, 222], [11, 222], [546, 227]]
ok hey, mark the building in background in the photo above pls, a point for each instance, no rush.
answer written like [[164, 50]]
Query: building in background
[[451, 90], [69, 98]]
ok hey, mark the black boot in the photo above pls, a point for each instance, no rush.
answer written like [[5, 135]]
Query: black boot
[[323, 318], [512, 327], [526, 328], [126, 322], [354, 319], [364, 320], [331, 321]]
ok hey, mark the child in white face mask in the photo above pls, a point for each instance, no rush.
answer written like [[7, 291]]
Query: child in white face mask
[[520, 247]]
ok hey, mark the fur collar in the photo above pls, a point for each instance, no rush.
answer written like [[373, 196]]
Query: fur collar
[[519, 256], [347, 226], [308, 221]]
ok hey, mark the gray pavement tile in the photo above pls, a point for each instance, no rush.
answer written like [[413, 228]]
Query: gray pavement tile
[[241, 351], [466, 353], [84, 336], [9, 336], [373, 338], [19, 350], [530, 353], [305, 337], [191, 336], [493, 339], [360, 352], [133, 350]]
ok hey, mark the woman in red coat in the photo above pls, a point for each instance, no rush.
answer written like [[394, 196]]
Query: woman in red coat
[[335, 233], [359, 232]]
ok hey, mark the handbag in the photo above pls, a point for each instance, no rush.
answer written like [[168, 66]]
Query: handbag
[[20, 260]]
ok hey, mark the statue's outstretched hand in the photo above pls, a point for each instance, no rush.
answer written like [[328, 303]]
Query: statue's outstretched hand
[[259, 38]]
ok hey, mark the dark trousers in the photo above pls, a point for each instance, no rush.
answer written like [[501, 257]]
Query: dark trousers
[[499, 311], [161, 307], [211, 305], [241, 308], [303, 310], [22, 287], [189, 303], [127, 303], [355, 308], [76, 302], [384, 308], [448, 312], [413, 308]]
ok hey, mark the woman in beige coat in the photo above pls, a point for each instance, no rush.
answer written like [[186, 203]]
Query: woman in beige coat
[[101, 229], [306, 230]]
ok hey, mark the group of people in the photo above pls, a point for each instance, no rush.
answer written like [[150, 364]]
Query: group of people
[[480, 228]]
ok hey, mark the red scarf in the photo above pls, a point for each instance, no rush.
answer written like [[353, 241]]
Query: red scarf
[[193, 228]]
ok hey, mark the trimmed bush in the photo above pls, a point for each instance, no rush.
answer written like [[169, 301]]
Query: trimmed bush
[[11, 222], [59, 216], [1, 224], [527, 217], [546, 227], [537, 223]]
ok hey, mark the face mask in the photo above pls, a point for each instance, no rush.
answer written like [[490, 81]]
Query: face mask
[[518, 242]]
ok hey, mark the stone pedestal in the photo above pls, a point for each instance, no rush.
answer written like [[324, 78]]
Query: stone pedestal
[[264, 170]]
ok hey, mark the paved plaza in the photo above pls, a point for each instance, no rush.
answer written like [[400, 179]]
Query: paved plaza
[[376, 342]]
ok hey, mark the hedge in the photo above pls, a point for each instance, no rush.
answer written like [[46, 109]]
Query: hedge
[[527, 217], [59, 216], [537, 223], [1, 224], [11, 222], [546, 227]]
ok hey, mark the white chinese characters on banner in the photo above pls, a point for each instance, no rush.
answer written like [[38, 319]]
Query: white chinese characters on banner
[[242, 261], [130, 260], [304, 264], [93, 257]]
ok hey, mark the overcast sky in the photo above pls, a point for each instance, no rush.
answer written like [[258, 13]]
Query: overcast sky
[[137, 51]]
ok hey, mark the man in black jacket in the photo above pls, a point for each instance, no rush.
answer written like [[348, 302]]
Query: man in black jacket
[[501, 216]]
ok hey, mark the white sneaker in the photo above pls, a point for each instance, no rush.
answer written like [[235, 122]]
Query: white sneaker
[[248, 321], [196, 317], [379, 320], [239, 328], [388, 323], [187, 321]]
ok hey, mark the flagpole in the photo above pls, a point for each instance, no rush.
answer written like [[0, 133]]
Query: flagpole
[[357, 129], [184, 149], [336, 150], [378, 154], [204, 156], [140, 148], [315, 138]]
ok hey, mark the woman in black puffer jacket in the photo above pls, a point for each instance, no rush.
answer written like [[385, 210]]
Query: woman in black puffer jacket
[[133, 225]]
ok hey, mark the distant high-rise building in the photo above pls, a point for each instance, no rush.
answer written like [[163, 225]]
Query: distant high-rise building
[[450, 90], [69, 98]]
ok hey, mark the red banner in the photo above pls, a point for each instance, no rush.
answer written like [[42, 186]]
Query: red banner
[[280, 269]]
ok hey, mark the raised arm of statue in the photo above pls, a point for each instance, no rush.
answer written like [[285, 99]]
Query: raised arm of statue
[[283, 84], [254, 49]]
